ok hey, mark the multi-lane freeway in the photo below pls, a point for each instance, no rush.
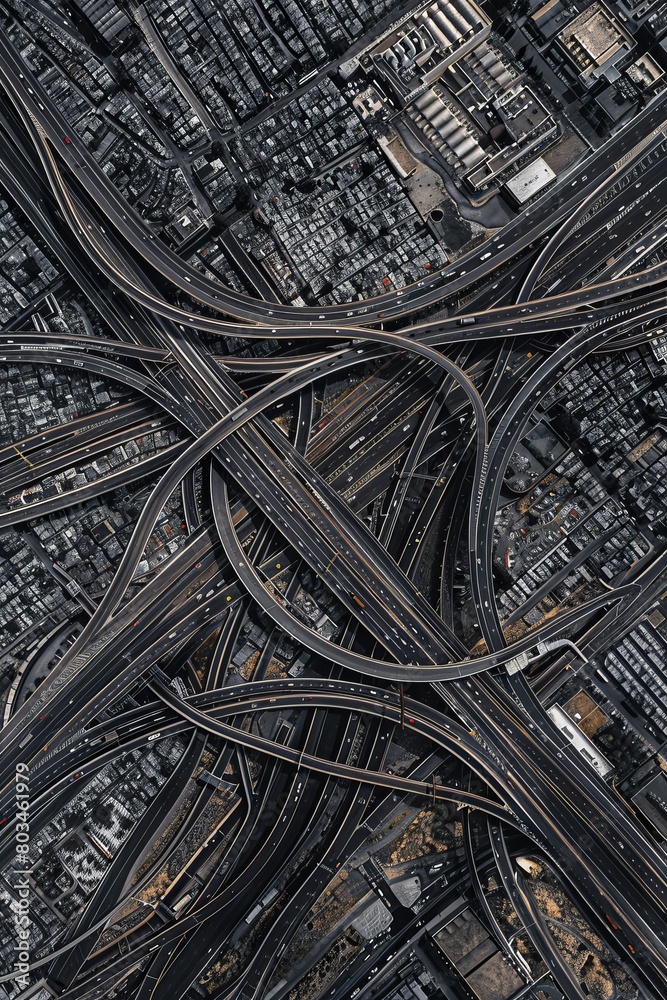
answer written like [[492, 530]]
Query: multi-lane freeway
[[339, 494]]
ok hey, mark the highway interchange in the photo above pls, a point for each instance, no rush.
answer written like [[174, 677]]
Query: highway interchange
[[267, 502]]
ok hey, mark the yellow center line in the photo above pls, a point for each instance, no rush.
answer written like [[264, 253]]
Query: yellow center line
[[20, 453]]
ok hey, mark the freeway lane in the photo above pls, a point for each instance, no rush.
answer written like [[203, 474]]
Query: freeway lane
[[186, 318], [553, 805], [569, 815], [80, 428], [336, 769], [292, 692], [613, 176], [471, 856], [309, 819], [80, 449], [110, 888], [85, 746], [340, 839], [307, 372], [304, 693], [531, 917], [102, 366], [20, 174], [174, 583], [379, 668], [72, 341], [194, 921], [554, 309], [129, 474], [211, 438], [31, 96], [125, 275], [504, 440]]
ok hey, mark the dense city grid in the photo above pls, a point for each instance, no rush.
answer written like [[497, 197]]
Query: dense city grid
[[333, 441]]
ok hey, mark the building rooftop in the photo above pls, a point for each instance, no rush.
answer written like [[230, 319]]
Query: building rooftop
[[594, 41], [531, 180]]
